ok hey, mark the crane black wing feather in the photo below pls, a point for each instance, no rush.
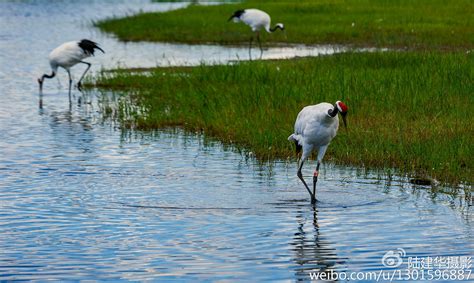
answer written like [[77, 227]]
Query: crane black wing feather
[[89, 46], [237, 14]]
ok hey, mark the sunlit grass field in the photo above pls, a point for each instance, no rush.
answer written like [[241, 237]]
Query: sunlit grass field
[[407, 110], [410, 24]]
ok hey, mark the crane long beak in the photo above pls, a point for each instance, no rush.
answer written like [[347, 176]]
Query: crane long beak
[[344, 120]]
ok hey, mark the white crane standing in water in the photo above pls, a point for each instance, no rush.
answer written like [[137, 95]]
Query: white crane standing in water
[[257, 20], [315, 127], [67, 55]]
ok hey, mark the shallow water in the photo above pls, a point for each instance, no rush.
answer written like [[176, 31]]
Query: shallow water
[[82, 199]]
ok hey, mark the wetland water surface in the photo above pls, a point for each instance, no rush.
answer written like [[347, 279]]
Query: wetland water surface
[[81, 199]]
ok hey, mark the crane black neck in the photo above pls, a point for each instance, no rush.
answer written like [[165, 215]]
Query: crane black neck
[[332, 113], [48, 76], [273, 29]]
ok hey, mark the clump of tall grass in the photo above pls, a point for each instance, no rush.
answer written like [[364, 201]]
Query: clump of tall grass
[[409, 111], [422, 24]]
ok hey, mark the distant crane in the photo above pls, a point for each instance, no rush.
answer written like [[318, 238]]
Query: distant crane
[[255, 19], [67, 55], [315, 127]]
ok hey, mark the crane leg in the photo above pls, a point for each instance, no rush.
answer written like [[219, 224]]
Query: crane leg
[[260, 45], [250, 48], [87, 69], [315, 180], [70, 84], [300, 175]]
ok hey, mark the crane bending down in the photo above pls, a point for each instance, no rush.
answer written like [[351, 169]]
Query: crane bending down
[[315, 127], [67, 55], [256, 20]]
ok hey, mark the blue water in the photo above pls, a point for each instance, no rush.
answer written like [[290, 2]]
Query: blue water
[[83, 199]]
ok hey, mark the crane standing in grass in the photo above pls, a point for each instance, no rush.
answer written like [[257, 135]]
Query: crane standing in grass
[[67, 55], [257, 20], [315, 127]]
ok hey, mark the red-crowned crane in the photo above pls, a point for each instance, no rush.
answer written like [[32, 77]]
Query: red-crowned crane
[[67, 55], [256, 20], [315, 127]]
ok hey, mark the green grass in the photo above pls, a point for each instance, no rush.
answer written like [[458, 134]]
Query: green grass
[[413, 24], [410, 111]]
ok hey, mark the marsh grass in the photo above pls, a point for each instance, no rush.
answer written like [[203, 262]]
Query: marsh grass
[[420, 24], [409, 111]]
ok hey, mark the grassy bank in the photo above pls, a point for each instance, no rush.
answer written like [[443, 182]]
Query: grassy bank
[[407, 110], [420, 24]]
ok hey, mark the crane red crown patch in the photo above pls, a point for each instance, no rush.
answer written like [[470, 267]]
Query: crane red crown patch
[[341, 107]]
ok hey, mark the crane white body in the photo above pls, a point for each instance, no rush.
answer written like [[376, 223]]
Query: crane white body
[[315, 127], [67, 55], [257, 20]]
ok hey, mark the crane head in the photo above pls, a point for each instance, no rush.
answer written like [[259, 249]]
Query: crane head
[[40, 81], [343, 109]]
